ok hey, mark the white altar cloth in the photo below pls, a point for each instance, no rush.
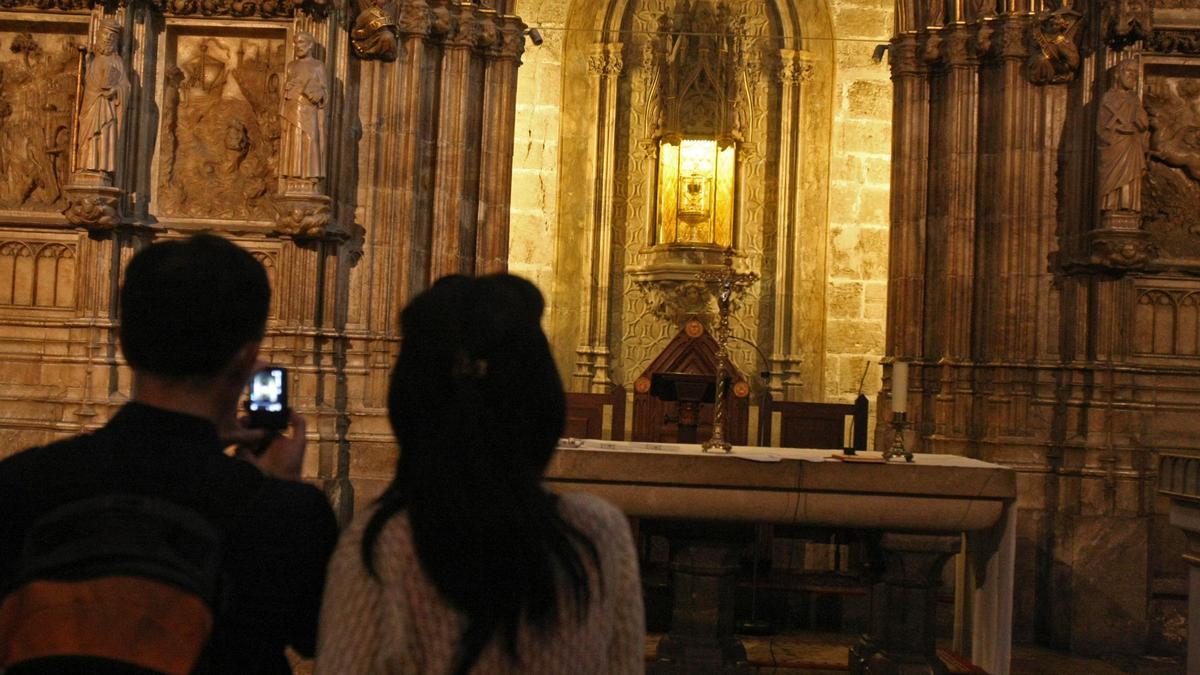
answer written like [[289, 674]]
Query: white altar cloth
[[935, 493]]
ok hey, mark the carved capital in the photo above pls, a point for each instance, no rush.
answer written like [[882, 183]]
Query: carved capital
[[1012, 39], [440, 20], [904, 56], [958, 48], [487, 35], [931, 49], [414, 18], [607, 60], [510, 44], [302, 216], [464, 29], [1126, 22], [795, 69]]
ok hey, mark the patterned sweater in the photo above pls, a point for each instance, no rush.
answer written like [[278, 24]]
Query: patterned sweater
[[401, 624]]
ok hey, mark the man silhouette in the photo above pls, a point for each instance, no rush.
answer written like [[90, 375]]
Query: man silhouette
[[192, 315]]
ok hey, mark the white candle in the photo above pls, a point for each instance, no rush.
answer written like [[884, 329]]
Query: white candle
[[899, 386]]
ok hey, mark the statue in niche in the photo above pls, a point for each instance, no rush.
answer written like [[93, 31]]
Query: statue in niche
[[37, 101], [1056, 60], [105, 98], [302, 154], [1122, 128], [375, 31]]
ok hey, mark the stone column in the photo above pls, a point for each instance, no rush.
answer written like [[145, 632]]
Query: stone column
[[903, 614], [910, 175], [495, 175], [453, 242], [954, 111], [605, 64]]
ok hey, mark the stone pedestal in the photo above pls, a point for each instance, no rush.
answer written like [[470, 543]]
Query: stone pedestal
[[92, 201], [701, 638], [302, 215], [903, 607]]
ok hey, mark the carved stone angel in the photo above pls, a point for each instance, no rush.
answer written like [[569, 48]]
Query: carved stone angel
[[105, 98], [1122, 130], [302, 152]]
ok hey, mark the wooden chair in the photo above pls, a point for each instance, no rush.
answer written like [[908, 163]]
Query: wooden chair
[[585, 415], [814, 425]]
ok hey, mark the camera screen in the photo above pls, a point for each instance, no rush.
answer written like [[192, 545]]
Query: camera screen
[[266, 390]]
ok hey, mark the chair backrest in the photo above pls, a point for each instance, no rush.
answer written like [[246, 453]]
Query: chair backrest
[[585, 415], [814, 425]]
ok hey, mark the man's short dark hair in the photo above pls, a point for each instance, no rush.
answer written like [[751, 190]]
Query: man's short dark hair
[[188, 306]]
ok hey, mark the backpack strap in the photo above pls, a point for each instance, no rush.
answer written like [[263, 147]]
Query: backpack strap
[[121, 577]]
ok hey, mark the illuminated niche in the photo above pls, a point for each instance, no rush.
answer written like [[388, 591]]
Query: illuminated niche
[[695, 193]]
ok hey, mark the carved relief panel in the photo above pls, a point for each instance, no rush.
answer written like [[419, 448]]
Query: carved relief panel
[[39, 64], [1172, 186], [220, 128]]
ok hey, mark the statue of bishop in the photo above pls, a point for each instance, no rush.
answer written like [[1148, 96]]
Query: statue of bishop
[[105, 98], [302, 153]]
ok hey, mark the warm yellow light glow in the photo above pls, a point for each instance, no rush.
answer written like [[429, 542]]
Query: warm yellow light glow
[[695, 193]]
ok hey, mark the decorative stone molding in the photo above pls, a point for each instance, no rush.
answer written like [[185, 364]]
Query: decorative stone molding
[[47, 5], [607, 60], [267, 9], [1186, 42], [1126, 22], [1055, 35]]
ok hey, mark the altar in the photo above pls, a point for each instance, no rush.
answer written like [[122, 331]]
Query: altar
[[920, 510]]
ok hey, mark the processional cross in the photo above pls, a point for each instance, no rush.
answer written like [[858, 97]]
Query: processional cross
[[728, 282]]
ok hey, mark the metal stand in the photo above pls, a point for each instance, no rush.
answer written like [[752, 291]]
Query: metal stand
[[727, 282], [897, 449]]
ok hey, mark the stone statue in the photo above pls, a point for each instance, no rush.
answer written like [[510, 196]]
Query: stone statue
[[302, 153], [1122, 128], [105, 98], [1056, 60], [375, 31]]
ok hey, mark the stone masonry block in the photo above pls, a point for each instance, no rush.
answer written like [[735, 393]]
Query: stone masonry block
[[854, 337], [871, 99], [844, 300]]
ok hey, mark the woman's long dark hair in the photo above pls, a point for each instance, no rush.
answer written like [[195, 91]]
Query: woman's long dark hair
[[477, 406]]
